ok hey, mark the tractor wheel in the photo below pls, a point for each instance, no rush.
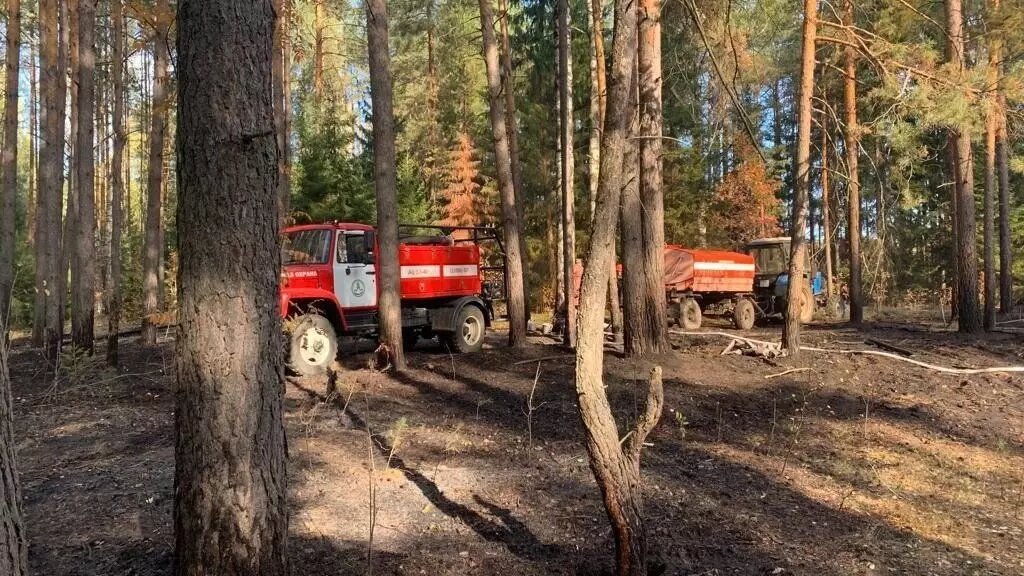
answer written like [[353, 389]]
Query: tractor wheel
[[689, 314], [469, 331], [313, 345], [743, 314]]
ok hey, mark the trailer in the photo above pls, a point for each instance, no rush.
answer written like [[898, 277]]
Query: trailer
[[698, 280], [329, 288]]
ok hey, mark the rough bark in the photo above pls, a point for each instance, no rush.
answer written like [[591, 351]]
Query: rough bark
[[385, 181], [801, 181], [851, 141], [652, 198], [230, 515], [117, 180], [13, 541], [568, 165], [83, 281], [153, 247], [634, 309], [48, 316], [319, 25], [502, 160], [965, 249], [615, 465], [9, 162], [511, 118]]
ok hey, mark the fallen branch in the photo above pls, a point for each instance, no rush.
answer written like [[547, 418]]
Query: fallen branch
[[783, 373], [889, 347], [943, 369], [543, 358]]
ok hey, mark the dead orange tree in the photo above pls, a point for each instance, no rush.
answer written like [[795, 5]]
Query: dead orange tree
[[614, 462], [802, 177]]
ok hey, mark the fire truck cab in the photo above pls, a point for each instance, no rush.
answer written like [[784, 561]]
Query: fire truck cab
[[329, 288]]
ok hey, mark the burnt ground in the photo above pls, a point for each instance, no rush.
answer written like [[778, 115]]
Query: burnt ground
[[856, 465]]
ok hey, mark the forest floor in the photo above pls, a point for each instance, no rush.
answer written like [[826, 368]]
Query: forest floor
[[855, 465]]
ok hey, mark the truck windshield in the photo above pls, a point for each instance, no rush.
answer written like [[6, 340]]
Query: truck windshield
[[770, 258], [307, 247]]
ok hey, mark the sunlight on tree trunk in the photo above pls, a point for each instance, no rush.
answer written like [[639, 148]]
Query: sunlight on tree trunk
[[796, 291], [851, 142], [568, 176]]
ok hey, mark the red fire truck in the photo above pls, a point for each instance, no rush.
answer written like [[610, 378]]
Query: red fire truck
[[329, 288]]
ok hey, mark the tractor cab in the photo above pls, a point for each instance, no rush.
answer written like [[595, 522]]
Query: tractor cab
[[771, 277]]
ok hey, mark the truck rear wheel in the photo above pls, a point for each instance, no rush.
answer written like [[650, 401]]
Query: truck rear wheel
[[314, 345], [743, 314], [469, 331], [690, 316]]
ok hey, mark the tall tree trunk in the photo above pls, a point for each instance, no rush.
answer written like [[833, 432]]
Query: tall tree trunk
[[1005, 246], [615, 464], [568, 180], [83, 298], [634, 308], [826, 212], [117, 180], [33, 140], [282, 109], [600, 86], [991, 135], [802, 183], [851, 141], [48, 320], [960, 137], [13, 541], [511, 118], [230, 514], [652, 196], [385, 181], [9, 165], [153, 249], [319, 25], [502, 159]]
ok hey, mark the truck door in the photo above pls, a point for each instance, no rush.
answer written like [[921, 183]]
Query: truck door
[[355, 275]]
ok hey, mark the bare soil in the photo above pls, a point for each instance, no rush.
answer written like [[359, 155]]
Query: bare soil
[[856, 465]]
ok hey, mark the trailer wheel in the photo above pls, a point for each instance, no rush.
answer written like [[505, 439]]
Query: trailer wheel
[[689, 314], [313, 345], [469, 331], [743, 314]]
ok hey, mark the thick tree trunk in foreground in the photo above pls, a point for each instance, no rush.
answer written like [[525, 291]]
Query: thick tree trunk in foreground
[[83, 265], [802, 181], [965, 249], [502, 160], [851, 141], [152, 251], [652, 198], [9, 162], [48, 320], [616, 466], [230, 515], [634, 309], [13, 542], [385, 181], [568, 165], [117, 180]]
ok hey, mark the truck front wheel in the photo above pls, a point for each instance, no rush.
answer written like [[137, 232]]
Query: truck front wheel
[[314, 345], [469, 331]]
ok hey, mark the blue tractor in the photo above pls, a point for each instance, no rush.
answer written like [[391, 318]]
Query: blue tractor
[[771, 279]]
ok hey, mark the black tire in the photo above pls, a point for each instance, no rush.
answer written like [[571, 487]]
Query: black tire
[[743, 314], [314, 345], [469, 331], [690, 316]]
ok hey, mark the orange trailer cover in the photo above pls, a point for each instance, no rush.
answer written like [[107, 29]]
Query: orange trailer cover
[[689, 270]]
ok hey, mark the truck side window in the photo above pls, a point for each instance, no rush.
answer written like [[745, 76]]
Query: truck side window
[[355, 247], [342, 251]]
